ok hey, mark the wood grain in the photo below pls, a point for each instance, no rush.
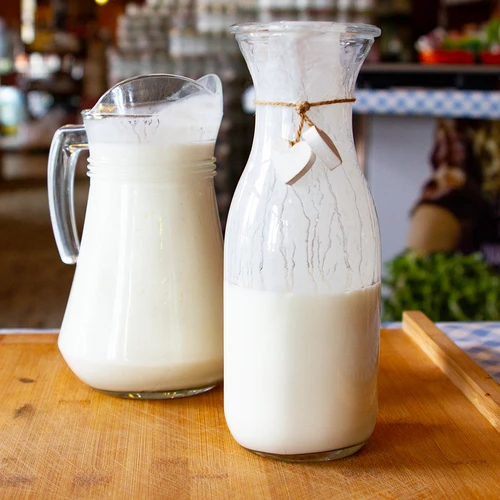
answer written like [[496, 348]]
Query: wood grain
[[477, 386], [59, 439]]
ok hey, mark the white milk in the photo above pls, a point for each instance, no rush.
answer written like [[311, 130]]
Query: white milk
[[300, 372], [145, 309]]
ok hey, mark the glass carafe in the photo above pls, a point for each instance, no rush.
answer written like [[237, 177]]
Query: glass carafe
[[144, 316], [302, 254]]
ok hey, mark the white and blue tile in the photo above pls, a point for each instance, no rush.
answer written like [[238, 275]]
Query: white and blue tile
[[480, 340], [403, 102], [439, 103]]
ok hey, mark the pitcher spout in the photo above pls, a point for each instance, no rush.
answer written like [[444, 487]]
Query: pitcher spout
[[158, 108], [212, 83]]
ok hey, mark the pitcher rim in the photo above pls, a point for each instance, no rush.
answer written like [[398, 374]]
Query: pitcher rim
[[88, 114], [281, 27]]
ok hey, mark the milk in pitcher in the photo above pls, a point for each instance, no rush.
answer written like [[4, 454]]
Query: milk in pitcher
[[144, 316]]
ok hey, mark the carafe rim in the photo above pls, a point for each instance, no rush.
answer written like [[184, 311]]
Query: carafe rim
[[354, 30]]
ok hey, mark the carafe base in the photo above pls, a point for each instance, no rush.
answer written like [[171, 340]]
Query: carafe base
[[182, 393], [323, 456]]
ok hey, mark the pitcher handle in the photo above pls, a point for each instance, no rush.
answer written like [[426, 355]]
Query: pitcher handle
[[68, 142]]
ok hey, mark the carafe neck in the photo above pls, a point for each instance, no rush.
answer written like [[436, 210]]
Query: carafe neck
[[308, 62], [303, 64]]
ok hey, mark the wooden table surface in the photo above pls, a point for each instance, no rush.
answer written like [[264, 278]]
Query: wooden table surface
[[59, 439]]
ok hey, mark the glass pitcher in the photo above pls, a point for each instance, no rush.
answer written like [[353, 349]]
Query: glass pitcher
[[302, 252], [144, 316]]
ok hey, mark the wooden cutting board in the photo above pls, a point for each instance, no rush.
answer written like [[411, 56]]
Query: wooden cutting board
[[60, 439]]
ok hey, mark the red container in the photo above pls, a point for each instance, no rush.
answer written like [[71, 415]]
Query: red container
[[490, 57], [440, 56]]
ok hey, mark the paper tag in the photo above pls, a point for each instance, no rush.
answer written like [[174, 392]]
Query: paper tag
[[323, 147], [291, 162]]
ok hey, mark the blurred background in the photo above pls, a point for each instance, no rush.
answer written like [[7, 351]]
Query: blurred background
[[426, 127]]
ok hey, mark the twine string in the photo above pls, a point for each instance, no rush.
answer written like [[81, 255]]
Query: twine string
[[302, 107]]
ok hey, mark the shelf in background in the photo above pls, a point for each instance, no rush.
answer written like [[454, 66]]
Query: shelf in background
[[464, 77], [430, 68]]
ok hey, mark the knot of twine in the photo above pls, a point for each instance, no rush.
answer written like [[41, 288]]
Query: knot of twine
[[302, 107]]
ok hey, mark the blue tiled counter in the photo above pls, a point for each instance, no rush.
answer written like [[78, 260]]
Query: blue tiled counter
[[429, 102], [410, 102], [480, 340]]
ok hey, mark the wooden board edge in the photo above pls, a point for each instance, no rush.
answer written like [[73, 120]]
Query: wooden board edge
[[477, 385], [29, 338]]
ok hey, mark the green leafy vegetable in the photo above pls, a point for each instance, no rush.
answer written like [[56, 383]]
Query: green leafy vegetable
[[446, 287]]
